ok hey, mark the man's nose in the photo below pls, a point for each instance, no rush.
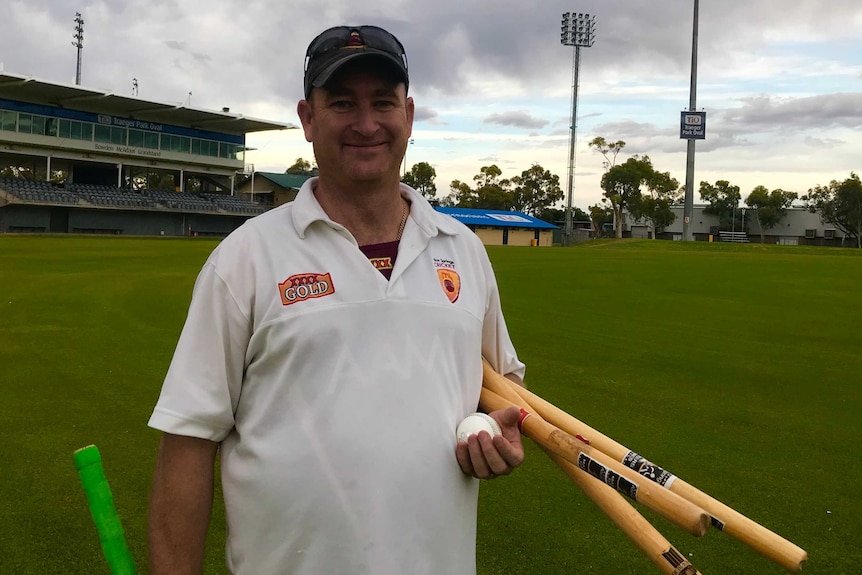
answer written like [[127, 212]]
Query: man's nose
[[366, 120]]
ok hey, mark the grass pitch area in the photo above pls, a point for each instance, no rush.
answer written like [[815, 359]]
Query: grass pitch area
[[737, 367]]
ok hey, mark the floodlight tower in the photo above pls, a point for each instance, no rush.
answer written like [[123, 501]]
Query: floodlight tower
[[79, 44], [410, 141], [579, 31]]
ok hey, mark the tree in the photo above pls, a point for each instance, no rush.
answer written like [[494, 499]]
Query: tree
[[421, 178], [152, 180], [723, 199], [607, 149], [601, 214], [769, 207], [495, 198], [622, 188], [193, 186], [461, 195], [490, 193], [301, 167], [656, 206], [22, 172], [494, 193], [621, 185], [553, 215], [579, 215], [558, 215], [489, 176], [536, 189], [839, 204]]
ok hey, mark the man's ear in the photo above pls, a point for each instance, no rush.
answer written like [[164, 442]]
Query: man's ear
[[305, 111], [411, 110]]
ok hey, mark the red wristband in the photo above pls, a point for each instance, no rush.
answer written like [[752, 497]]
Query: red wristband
[[524, 415]]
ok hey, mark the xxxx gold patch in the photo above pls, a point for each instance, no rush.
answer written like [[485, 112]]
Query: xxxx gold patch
[[301, 287], [450, 281], [384, 263]]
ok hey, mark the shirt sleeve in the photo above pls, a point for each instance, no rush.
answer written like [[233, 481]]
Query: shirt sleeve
[[497, 346], [201, 390]]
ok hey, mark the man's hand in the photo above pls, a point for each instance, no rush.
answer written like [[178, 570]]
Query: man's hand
[[487, 457]]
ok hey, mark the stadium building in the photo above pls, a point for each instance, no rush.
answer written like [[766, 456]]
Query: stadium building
[[502, 228], [799, 226], [272, 188], [79, 160]]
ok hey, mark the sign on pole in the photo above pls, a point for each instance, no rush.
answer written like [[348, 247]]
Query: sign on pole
[[692, 125]]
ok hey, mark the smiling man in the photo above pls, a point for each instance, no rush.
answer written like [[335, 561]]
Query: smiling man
[[331, 348], [359, 124]]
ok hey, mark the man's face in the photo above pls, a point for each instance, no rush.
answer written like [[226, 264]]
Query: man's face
[[359, 125]]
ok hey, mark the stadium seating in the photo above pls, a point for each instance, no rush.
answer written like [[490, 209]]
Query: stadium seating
[[112, 196], [181, 200], [235, 204], [37, 191]]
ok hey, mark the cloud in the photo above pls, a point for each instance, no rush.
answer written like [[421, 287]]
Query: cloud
[[781, 113], [426, 114], [778, 85], [626, 130], [517, 119], [183, 47], [824, 143]]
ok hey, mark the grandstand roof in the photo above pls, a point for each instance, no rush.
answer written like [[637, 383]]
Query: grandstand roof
[[32, 90], [290, 181], [495, 218]]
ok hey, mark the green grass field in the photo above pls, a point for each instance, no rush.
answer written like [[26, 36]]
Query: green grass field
[[736, 367]]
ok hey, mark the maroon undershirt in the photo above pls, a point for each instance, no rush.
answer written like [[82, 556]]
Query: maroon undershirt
[[382, 256]]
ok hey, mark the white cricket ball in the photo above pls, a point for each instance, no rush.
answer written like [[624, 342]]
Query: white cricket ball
[[474, 423]]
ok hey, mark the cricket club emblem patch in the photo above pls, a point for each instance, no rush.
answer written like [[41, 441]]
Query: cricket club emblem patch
[[301, 287], [449, 279]]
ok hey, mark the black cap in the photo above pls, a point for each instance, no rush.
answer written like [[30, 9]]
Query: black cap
[[336, 46]]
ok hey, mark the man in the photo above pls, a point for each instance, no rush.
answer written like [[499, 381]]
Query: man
[[331, 348]]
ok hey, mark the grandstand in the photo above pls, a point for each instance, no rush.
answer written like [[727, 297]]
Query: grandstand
[[78, 160]]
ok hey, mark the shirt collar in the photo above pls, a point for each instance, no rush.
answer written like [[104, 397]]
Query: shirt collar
[[306, 211]]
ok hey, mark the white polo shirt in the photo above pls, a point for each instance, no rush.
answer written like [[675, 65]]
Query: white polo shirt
[[335, 393]]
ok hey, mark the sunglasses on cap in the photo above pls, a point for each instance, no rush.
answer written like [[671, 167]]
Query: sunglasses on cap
[[335, 47]]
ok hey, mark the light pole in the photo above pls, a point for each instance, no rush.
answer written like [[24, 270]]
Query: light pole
[[579, 31], [688, 207], [251, 166], [410, 141]]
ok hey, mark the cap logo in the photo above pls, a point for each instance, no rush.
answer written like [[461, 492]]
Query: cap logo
[[301, 287], [355, 41]]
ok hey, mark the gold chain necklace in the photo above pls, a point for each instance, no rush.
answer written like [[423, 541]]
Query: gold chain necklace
[[405, 212]]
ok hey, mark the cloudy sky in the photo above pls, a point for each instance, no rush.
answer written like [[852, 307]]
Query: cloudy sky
[[780, 80]]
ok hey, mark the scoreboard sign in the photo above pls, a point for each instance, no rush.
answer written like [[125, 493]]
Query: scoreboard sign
[[692, 125]]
